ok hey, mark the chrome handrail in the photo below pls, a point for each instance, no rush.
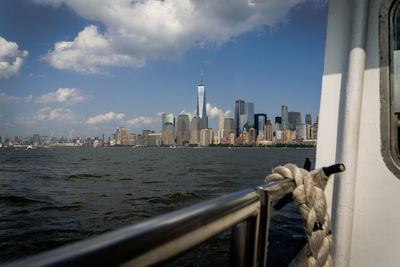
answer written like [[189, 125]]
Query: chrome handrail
[[164, 237]]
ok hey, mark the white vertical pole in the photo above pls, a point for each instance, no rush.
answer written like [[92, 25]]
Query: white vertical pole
[[343, 206]]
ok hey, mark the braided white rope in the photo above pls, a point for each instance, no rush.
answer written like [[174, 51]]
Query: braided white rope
[[309, 196]]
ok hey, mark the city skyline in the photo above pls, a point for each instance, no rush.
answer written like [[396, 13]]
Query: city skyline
[[48, 86]]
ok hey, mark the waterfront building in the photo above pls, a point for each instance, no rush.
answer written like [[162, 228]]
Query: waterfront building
[[301, 132], [206, 137], [139, 140], [183, 129], [294, 119], [278, 135], [168, 134], [239, 111], [167, 118], [220, 127], [232, 137], [269, 131], [229, 124], [201, 111], [119, 135], [284, 118], [308, 119], [315, 130], [145, 134], [260, 120], [251, 136], [310, 134], [278, 123], [154, 139], [195, 127], [129, 140]]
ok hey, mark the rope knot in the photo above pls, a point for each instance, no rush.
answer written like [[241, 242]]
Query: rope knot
[[310, 198]]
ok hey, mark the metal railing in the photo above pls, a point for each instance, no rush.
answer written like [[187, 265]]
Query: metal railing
[[165, 237]]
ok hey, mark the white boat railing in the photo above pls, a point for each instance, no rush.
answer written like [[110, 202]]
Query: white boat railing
[[163, 238]]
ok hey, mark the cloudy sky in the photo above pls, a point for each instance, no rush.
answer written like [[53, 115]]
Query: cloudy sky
[[96, 64]]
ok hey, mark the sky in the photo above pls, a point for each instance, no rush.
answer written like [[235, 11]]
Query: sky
[[94, 65]]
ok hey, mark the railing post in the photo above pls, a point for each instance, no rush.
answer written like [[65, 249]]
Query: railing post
[[243, 242], [264, 217]]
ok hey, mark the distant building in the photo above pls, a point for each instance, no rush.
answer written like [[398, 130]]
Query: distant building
[[310, 134], [308, 119], [221, 127], [145, 134], [128, 140], [301, 132], [260, 120], [119, 135], [229, 124], [251, 136], [294, 119], [206, 137], [284, 117], [239, 111], [154, 139], [183, 129], [269, 131], [221, 120], [139, 140], [201, 111], [168, 134], [167, 118], [195, 127]]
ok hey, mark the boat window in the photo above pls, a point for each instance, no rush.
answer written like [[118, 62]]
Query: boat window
[[389, 41]]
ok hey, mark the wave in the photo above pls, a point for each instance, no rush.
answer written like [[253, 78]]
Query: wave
[[18, 199], [174, 198], [84, 175]]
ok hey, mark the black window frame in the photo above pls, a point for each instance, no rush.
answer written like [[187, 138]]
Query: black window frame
[[390, 135]]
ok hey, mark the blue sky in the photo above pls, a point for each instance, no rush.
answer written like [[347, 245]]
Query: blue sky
[[97, 64]]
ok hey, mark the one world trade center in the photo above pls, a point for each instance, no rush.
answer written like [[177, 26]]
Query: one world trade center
[[201, 104]]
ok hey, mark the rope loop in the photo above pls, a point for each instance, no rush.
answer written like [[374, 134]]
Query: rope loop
[[310, 198]]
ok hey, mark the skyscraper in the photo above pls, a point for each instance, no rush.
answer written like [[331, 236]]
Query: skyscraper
[[195, 127], [229, 124], [221, 120], [201, 104], [308, 119], [249, 112], [284, 115], [239, 110], [294, 118], [183, 131], [260, 120], [168, 118]]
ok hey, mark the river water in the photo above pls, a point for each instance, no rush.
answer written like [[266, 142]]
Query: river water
[[55, 196]]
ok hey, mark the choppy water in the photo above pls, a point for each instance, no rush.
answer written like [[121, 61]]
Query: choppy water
[[51, 197]]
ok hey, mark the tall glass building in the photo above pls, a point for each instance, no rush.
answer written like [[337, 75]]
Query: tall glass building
[[249, 111], [284, 116], [260, 120], [201, 105], [239, 110], [294, 118]]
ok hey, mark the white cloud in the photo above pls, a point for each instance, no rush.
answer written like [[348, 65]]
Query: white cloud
[[57, 114], [103, 118], [67, 96], [141, 120], [138, 31], [213, 112], [5, 98], [11, 58]]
